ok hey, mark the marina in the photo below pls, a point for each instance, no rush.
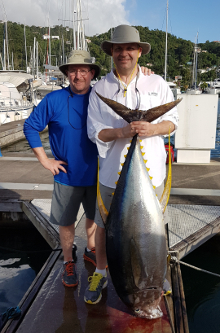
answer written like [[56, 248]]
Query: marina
[[31, 259], [25, 186]]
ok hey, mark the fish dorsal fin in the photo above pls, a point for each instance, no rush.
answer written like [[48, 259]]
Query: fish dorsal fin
[[166, 193], [102, 209]]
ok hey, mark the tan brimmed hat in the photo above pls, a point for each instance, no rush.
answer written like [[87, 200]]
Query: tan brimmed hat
[[80, 57], [124, 34]]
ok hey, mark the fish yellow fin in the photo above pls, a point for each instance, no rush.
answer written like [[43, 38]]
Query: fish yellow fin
[[103, 211], [141, 147], [148, 169], [119, 172], [128, 148], [125, 156], [143, 154], [122, 164], [166, 193], [116, 183]]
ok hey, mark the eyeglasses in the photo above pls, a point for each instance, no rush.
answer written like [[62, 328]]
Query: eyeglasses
[[82, 72]]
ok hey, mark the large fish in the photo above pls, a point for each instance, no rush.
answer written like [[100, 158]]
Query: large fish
[[135, 233]]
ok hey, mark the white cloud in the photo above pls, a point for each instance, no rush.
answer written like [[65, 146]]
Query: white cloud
[[105, 14], [102, 14]]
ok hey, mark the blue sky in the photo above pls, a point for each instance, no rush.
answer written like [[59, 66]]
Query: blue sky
[[185, 17]]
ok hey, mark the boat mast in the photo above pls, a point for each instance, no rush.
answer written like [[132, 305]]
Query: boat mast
[[79, 42], [34, 57], [195, 63], [165, 67], [74, 31], [25, 45], [37, 60], [5, 42], [6, 31]]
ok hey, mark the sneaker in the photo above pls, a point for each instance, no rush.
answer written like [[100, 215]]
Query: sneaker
[[167, 287], [93, 293], [90, 256], [69, 277]]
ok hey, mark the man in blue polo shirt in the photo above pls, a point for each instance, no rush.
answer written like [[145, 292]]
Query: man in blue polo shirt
[[75, 157]]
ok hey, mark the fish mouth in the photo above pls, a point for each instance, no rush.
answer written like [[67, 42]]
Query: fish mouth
[[146, 305], [150, 313]]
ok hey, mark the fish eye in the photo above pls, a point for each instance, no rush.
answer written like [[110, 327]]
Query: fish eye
[[137, 310]]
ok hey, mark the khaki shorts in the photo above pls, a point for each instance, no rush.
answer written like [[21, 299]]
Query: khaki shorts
[[106, 194], [66, 202]]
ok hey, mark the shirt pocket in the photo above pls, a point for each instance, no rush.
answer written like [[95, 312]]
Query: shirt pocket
[[149, 101]]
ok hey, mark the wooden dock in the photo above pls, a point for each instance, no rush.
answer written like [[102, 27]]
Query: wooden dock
[[48, 306]]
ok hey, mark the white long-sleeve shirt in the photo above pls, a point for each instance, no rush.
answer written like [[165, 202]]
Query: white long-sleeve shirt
[[153, 91]]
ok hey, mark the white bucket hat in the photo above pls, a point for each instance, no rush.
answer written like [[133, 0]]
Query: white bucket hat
[[124, 34], [80, 57]]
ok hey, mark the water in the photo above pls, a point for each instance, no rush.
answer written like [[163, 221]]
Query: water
[[23, 146], [202, 290], [23, 252]]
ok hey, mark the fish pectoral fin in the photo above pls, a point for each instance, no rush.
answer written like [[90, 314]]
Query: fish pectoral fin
[[136, 263]]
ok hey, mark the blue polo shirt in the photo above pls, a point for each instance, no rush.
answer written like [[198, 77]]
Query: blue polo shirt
[[65, 113]]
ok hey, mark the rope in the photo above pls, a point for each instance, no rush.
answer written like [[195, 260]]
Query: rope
[[198, 269]]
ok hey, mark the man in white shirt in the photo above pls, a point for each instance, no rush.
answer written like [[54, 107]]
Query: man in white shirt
[[128, 86]]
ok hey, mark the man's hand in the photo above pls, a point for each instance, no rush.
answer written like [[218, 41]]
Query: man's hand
[[128, 131], [50, 164], [110, 134], [54, 166], [143, 128], [146, 71]]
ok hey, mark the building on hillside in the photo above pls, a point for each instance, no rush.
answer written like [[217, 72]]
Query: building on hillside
[[46, 36]]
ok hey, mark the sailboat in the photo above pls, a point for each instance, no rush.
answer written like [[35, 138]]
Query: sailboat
[[194, 90], [15, 88], [175, 89]]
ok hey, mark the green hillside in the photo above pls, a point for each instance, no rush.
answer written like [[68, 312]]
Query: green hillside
[[179, 60]]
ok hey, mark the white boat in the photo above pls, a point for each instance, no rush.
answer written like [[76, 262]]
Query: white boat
[[45, 89], [13, 106], [196, 91], [214, 87], [175, 89], [16, 95], [212, 90]]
